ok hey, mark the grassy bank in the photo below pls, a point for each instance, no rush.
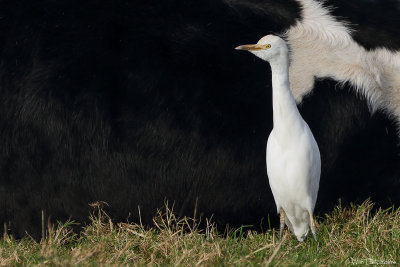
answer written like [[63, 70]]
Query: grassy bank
[[348, 236]]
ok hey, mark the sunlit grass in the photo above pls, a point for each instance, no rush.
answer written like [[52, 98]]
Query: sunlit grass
[[348, 235]]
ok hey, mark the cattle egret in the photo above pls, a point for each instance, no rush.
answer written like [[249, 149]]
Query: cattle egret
[[293, 158]]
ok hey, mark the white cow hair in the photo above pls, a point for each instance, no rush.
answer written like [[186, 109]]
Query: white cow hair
[[323, 47]]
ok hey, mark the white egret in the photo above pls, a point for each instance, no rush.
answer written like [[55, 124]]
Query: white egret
[[293, 158]]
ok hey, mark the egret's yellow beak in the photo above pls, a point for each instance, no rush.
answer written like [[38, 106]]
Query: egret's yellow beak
[[251, 47]]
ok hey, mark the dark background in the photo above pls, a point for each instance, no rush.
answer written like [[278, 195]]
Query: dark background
[[140, 102]]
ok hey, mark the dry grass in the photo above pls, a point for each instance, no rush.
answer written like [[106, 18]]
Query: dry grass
[[352, 235]]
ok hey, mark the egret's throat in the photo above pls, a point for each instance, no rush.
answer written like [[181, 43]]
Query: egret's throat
[[284, 106]]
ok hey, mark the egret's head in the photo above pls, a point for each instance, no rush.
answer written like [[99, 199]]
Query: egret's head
[[268, 48]]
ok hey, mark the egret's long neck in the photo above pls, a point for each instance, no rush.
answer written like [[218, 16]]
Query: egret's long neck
[[284, 106]]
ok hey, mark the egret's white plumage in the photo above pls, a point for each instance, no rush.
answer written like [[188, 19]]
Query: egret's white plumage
[[293, 158]]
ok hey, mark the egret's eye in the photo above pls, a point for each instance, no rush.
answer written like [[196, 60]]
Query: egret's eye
[[268, 46]]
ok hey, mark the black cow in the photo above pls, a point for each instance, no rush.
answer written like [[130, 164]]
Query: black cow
[[140, 102]]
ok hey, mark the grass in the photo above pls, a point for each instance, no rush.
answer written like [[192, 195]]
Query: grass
[[348, 236]]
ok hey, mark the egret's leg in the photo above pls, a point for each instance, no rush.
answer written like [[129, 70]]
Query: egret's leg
[[313, 228], [282, 223]]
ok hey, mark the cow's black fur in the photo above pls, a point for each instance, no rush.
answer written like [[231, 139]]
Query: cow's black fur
[[375, 23]]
